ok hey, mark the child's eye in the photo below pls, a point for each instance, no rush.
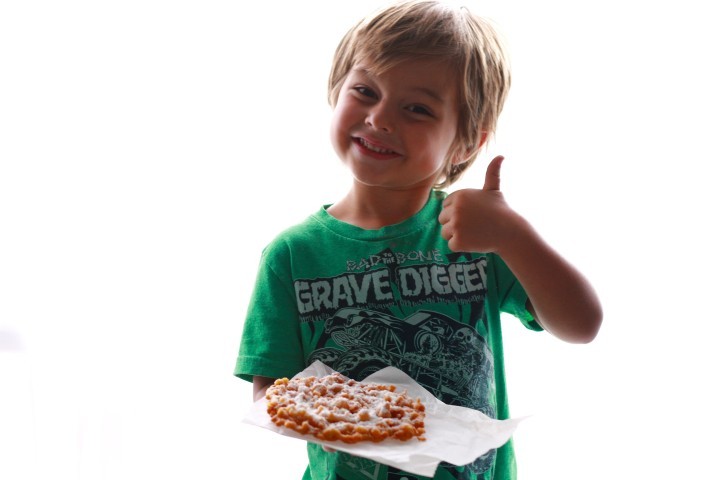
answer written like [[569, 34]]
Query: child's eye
[[419, 109], [365, 91]]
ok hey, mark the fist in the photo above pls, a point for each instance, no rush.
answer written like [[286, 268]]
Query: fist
[[479, 220]]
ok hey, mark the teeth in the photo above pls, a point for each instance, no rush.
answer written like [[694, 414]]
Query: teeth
[[373, 147]]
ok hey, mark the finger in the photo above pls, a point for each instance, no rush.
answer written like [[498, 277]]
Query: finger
[[446, 232], [492, 175], [444, 217], [451, 244]]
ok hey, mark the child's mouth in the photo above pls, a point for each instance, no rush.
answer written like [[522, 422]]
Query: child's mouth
[[374, 148]]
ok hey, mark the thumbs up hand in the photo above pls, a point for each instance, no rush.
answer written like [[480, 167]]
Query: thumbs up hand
[[559, 297], [479, 220]]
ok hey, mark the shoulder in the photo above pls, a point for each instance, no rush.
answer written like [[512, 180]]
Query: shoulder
[[294, 236]]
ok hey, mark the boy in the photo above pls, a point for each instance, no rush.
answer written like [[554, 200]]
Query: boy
[[397, 272]]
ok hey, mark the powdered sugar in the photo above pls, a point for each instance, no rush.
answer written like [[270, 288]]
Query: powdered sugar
[[332, 407]]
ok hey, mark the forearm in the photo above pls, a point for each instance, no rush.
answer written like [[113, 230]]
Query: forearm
[[560, 297], [260, 386]]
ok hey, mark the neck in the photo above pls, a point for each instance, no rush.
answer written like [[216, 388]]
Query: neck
[[372, 208]]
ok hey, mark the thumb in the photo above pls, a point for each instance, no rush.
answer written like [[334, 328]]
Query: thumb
[[492, 175]]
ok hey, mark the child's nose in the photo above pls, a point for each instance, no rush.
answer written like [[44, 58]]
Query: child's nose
[[380, 118]]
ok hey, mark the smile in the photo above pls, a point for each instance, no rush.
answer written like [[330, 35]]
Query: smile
[[373, 148]]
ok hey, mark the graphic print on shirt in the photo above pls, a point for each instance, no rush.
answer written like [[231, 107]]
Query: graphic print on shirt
[[387, 280], [388, 314]]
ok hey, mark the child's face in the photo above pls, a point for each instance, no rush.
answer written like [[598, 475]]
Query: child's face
[[394, 130]]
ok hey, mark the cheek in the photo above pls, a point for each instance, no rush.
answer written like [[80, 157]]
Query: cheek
[[342, 114], [342, 120], [338, 132]]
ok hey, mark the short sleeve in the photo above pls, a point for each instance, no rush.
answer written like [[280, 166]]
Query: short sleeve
[[270, 345], [512, 296]]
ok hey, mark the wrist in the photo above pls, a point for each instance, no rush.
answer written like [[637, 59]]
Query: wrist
[[519, 237]]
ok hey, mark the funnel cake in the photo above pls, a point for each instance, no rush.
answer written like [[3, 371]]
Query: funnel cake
[[335, 408]]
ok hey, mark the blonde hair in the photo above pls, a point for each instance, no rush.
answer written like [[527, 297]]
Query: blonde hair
[[423, 29]]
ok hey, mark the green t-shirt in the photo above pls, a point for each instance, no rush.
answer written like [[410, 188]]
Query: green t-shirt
[[360, 300]]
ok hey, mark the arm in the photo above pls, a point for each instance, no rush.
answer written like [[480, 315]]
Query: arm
[[559, 296], [260, 386]]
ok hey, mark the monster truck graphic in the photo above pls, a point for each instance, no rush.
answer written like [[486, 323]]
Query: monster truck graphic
[[448, 358]]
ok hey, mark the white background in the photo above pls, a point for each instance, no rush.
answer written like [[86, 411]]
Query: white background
[[150, 149]]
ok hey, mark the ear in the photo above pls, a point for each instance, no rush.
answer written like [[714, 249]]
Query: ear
[[483, 139], [464, 155]]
